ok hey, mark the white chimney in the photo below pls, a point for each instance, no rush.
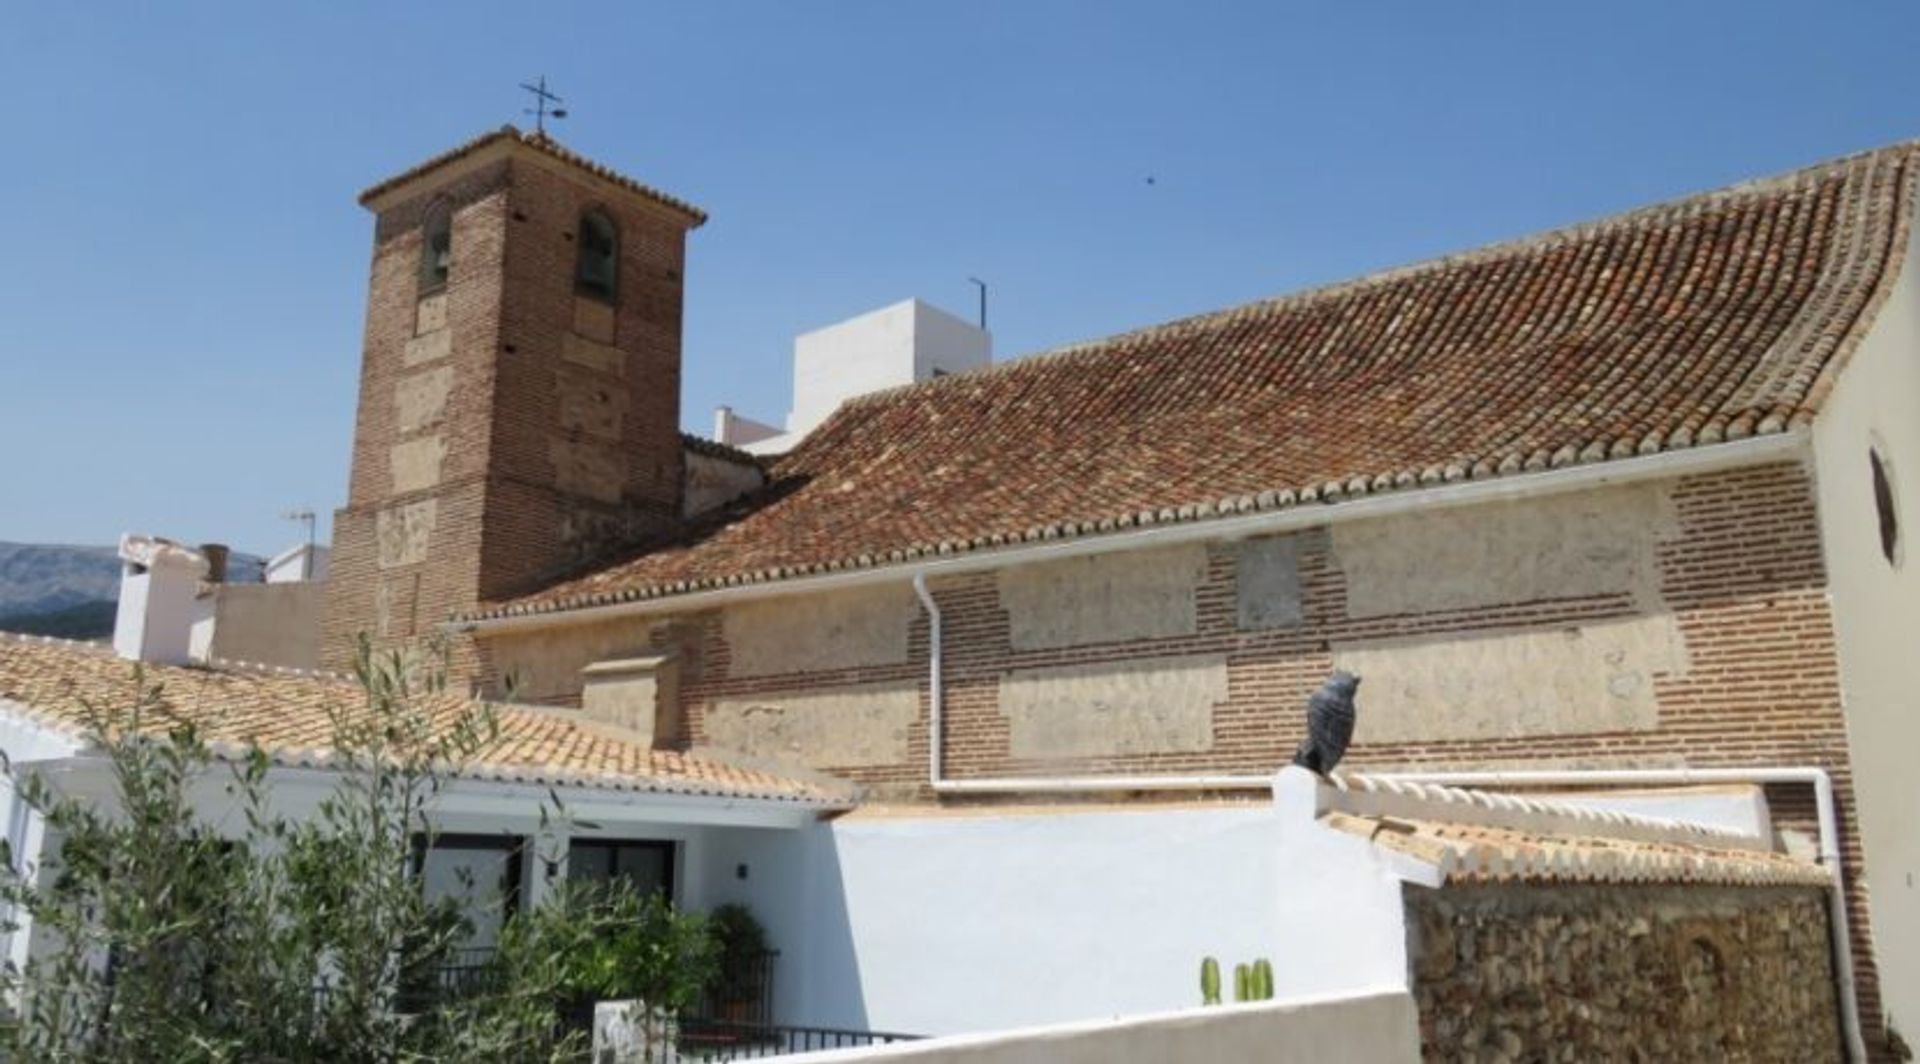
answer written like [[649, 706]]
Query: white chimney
[[905, 343], [159, 599]]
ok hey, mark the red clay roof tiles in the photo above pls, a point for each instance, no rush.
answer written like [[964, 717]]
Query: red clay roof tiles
[[290, 714], [1711, 318]]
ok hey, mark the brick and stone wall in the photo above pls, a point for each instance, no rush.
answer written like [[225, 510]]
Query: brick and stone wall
[[509, 429], [1542, 972], [1658, 624]]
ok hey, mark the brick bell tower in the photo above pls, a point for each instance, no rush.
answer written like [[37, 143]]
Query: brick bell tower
[[519, 403]]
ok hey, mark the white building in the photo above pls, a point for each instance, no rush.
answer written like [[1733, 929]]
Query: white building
[[905, 343]]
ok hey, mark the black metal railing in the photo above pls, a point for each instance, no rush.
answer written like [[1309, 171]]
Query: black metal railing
[[714, 1040], [743, 995], [732, 1023]]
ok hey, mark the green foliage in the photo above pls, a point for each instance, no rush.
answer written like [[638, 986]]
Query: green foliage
[[1209, 981], [743, 942], [1242, 983], [162, 938], [1262, 980]]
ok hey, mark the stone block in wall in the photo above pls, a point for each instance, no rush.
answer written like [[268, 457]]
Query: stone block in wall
[[420, 399], [838, 630], [1573, 545], [403, 532], [1115, 708], [592, 407], [639, 694], [594, 320], [587, 467], [548, 664], [415, 464], [1564, 680], [428, 347], [850, 727], [593, 355], [1104, 598], [1266, 583], [430, 314]]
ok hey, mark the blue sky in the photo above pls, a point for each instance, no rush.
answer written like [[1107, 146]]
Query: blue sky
[[182, 274]]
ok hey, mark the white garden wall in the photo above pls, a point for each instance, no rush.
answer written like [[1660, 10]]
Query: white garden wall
[[1369, 1028], [932, 923]]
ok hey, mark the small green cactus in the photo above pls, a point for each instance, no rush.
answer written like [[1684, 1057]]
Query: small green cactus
[[1209, 981], [1262, 980], [1242, 983]]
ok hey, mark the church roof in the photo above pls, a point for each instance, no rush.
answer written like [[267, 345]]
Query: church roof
[[290, 713], [546, 145], [1707, 319]]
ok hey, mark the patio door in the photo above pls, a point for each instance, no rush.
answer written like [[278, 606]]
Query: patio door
[[482, 873]]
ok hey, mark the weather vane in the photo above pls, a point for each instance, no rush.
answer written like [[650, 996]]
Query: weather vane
[[543, 105]]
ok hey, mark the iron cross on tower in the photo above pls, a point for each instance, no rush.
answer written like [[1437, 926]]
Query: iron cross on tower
[[543, 104]]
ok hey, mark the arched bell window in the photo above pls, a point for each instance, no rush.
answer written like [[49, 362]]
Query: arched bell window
[[436, 246], [596, 272]]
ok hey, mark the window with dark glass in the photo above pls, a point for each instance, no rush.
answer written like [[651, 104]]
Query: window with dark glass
[[481, 873], [436, 246], [645, 863], [1883, 505], [597, 269]]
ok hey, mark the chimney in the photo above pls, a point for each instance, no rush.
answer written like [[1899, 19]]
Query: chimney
[[159, 599], [216, 556]]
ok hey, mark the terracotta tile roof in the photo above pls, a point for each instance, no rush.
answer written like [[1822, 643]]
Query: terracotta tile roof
[[1473, 854], [1471, 836], [289, 713], [1708, 319], [716, 449], [545, 144]]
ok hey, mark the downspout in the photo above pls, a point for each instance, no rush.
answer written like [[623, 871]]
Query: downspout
[[1817, 778]]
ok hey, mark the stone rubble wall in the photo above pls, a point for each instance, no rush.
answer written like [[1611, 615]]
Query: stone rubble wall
[[1623, 972]]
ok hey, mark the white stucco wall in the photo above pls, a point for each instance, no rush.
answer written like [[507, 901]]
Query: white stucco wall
[[897, 344], [23, 743], [940, 924], [1877, 615], [1365, 1028]]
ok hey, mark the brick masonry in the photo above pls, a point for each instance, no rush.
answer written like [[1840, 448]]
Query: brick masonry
[[509, 430], [1732, 573], [1576, 973]]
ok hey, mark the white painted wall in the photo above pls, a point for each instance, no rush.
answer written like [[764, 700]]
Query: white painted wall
[[159, 584], [23, 742], [895, 345], [1877, 616], [938, 924], [299, 563], [1379, 1027]]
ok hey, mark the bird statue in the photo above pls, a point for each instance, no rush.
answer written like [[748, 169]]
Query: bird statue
[[1330, 713]]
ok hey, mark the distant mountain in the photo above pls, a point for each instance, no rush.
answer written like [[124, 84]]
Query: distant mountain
[[88, 621], [53, 589], [40, 578]]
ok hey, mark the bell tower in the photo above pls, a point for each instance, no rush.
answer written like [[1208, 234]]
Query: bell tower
[[519, 409]]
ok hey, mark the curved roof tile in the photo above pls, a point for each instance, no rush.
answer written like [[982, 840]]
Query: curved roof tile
[[1711, 318]]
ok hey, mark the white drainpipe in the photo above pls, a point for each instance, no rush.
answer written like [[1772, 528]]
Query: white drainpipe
[[1817, 778]]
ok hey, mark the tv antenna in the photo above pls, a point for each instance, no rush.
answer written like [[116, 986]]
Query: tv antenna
[[544, 105], [305, 516], [982, 285]]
